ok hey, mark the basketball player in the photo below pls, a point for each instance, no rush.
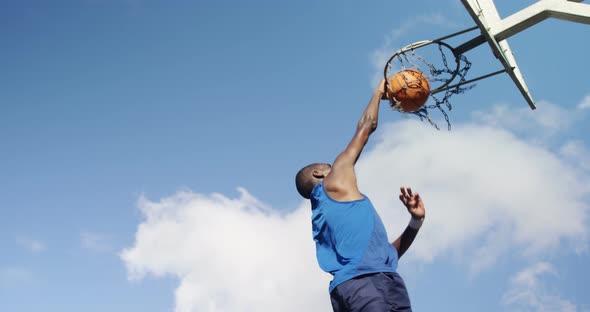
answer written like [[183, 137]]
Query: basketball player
[[351, 241]]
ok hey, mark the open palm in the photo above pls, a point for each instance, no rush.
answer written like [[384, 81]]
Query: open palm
[[413, 202]]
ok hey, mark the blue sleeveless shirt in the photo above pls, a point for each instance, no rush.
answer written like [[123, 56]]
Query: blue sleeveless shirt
[[350, 237]]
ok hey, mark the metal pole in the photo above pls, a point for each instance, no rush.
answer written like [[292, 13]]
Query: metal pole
[[469, 81]]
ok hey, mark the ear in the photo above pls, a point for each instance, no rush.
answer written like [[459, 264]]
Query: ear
[[318, 174]]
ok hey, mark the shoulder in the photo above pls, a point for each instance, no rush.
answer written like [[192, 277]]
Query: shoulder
[[318, 193], [342, 189]]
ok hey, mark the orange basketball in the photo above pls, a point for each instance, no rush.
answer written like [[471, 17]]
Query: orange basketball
[[408, 90]]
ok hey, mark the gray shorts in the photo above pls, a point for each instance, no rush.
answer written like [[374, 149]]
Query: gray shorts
[[378, 292]]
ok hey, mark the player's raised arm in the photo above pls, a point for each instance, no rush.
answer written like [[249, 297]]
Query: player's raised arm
[[415, 206], [365, 127], [341, 182]]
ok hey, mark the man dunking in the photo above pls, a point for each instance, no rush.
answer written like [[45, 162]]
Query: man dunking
[[351, 241]]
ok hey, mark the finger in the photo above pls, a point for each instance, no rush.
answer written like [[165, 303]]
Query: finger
[[420, 200], [403, 199], [402, 190], [410, 191], [406, 193]]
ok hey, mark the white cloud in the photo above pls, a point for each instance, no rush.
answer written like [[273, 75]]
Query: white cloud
[[576, 153], [493, 244], [31, 245], [487, 192], [528, 293], [477, 182], [229, 254], [585, 103], [548, 119]]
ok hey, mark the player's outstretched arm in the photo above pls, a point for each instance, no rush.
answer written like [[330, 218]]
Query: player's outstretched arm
[[415, 206], [341, 182], [365, 127]]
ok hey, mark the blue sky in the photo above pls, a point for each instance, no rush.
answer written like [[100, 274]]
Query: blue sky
[[149, 151]]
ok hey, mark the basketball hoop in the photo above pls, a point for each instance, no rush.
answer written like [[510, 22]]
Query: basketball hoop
[[494, 30], [444, 66], [441, 65]]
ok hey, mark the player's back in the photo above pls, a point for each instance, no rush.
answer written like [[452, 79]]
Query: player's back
[[350, 237]]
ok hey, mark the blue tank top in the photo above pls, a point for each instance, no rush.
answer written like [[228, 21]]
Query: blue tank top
[[350, 237]]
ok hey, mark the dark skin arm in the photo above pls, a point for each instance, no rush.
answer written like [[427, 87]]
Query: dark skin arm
[[341, 183], [415, 206]]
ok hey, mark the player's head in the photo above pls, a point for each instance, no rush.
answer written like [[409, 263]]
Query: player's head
[[308, 177]]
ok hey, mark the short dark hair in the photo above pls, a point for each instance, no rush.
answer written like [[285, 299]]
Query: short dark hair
[[304, 180]]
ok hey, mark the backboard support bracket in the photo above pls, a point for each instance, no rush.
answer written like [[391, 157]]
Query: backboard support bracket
[[496, 30]]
